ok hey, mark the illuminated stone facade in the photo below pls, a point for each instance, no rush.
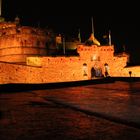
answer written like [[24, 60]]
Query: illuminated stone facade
[[24, 59], [18, 42]]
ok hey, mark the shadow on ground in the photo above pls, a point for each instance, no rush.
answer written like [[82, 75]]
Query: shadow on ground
[[26, 87]]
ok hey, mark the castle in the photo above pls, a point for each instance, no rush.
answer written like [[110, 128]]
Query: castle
[[24, 58]]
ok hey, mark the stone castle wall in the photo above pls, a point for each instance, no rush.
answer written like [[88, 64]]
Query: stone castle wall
[[27, 45], [60, 69], [134, 69], [12, 73], [21, 42]]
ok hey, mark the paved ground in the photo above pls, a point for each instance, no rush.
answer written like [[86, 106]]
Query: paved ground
[[94, 112]]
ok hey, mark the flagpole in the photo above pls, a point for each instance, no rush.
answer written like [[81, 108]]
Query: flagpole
[[0, 8], [64, 45], [109, 38], [92, 25], [79, 36]]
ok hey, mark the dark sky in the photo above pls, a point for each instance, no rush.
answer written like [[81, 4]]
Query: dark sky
[[67, 17]]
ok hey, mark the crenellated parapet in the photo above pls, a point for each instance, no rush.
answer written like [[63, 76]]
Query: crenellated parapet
[[6, 25], [19, 42]]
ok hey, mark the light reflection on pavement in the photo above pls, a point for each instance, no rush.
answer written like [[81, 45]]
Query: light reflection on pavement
[[99, 112]]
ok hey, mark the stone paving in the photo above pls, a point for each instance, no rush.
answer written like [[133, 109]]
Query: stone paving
[[120, 104], [94, 112]]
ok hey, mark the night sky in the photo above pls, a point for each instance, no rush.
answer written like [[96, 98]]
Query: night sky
[[69, 16]]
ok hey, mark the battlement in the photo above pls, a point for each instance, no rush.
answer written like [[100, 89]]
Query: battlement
[[17, 43], [14, 30], [48, 61], [95, 48], [5, 25]]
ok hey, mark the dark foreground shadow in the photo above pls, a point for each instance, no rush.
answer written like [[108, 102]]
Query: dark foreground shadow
[[127, 79], [26, 87]]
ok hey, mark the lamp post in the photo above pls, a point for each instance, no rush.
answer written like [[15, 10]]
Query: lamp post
[[64, 45]]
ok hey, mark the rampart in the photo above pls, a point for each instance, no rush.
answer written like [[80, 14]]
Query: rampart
[[23, 59], [19, 42]]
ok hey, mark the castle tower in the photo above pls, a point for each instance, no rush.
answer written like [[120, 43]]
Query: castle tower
[[19, 42], [16, 44]]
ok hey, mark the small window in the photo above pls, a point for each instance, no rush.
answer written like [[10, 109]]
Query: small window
[[85, 69]]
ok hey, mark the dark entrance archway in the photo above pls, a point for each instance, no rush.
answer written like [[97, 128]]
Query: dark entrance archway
[[106, 70], [93, 73]]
